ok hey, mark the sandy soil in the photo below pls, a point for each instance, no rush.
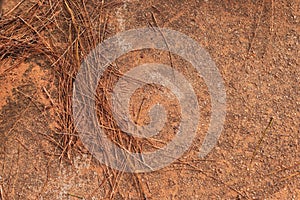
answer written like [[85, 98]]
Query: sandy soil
[[255, 45]]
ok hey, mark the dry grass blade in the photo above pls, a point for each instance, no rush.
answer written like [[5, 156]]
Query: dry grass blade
[[2, 192], [261, 139], [13, 9], [291, 176]]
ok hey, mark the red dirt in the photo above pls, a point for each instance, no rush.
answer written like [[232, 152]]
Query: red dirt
[[255, 45]]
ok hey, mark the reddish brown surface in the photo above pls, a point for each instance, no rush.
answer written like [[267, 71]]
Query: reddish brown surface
[[255, 46]]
